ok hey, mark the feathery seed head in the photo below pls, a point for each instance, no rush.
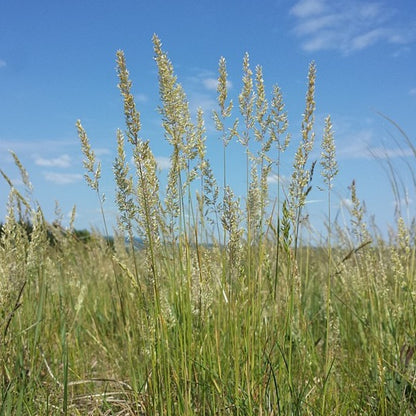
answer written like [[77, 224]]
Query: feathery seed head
[[230, 219], [23, 173], [403, 236], [93, 174], [247, 100], [175, 108], [222, 89], [308, 117], [278, 122], [225, 110], [328, 158], [301, 176], [254, 198], [132, 116], [359, 227], [124, 181], [261, 105]]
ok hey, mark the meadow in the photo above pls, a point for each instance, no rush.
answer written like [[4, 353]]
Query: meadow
[[225, 307]]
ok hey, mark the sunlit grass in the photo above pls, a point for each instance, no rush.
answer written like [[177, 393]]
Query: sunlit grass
[[225, 307]]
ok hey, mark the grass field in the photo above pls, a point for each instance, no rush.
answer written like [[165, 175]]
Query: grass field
[[226, 308]]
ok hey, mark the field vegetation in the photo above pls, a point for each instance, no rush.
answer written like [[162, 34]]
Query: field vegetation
[[225, 307]]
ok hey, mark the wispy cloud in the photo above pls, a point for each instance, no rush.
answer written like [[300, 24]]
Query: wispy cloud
[[163, 162], [31, 147], [200, 100], [412, 92], [2, 63], [313, 201], [345, 202], [347, 26], [63, 161], [141, 98], [62, 178], [307, 8], [201, 89], [211, 84], [384, 153], [102, 151], [354, 144], [365, 143], [273, 178]]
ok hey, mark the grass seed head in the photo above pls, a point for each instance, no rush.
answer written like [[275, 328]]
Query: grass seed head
[[328, 158]]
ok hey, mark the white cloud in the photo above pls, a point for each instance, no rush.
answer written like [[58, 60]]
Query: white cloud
[[360, 147], [355, 144], [318, 43], [31, 147], [347, 26], [311, 26], [62, 178], [364, 143], [201, 90], [346, 202], [2, 63], [370, 38], [274, 179], [212, 84], [163, 162], [141, 98], [383, 153], [313, 201], [101, 151], [201, 100], [412, 92], [307, 8], [63, 161]]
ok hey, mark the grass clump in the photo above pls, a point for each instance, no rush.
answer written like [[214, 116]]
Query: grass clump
[[225, 307]]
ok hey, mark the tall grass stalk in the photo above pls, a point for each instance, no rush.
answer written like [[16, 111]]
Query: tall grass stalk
[[93, 170], [278, 125], [300, 184], [247, 109], [329, 171]]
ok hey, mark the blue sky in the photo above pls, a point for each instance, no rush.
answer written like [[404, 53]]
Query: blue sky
[[57, 65]]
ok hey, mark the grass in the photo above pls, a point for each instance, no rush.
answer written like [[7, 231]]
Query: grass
[[226, 308]]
